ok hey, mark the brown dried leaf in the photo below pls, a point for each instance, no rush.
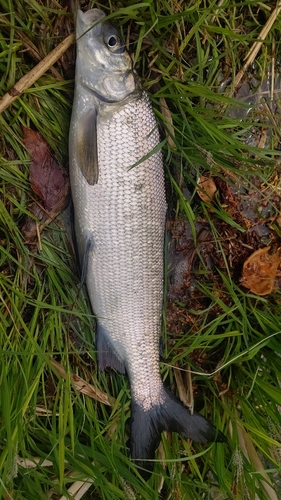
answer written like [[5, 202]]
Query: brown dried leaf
[[185, 389], [82, 386], [45, 175], [43, 412], [251, 454], [169, 121], [206, 188], [30, 228], [259, 271], [26, 463]]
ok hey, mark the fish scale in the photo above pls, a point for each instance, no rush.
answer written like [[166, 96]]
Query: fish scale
[[117, 183]]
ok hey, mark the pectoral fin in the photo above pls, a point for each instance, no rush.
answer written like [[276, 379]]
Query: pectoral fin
[[87, 147]]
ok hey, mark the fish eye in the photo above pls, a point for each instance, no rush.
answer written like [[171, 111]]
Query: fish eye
[[115, 44], [113, 41]]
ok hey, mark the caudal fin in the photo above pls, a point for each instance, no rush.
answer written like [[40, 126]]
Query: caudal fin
[[172, 415]]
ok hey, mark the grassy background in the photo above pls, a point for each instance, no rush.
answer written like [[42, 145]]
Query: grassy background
[[52, 435]]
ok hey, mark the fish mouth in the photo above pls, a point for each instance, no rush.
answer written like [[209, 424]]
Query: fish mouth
[[130, 81]]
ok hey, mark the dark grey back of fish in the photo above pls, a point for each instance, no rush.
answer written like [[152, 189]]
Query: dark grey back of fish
[[119, 200]]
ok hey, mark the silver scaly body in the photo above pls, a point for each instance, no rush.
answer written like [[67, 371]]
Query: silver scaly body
[[124, 215], [120, 207]]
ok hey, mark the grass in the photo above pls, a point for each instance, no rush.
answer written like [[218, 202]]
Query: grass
[[52, 435]]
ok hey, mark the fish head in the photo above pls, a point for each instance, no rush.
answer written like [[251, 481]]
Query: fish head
[[103, 64]]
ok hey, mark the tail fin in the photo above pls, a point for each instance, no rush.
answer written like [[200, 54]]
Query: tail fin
[[146, 428]]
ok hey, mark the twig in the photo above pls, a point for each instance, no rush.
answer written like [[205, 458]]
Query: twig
[[272, 86], [32, 49], [250, 57], [38, 236], [213, 18], [27, 80]]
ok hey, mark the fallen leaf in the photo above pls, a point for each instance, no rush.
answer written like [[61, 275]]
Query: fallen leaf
[[206, 188], [185, 387], [259, 271], [26, 463], [48, 180], [249, 451], [78, 489], [29, 229], [169, 121], [82, 386], [45, 174], [43, 412]]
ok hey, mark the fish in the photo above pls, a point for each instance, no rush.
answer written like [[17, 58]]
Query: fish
[[118, 192]]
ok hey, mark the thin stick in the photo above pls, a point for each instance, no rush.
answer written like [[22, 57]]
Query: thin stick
[[250, 57], [272, 86], [213, 18], [27, 80], [32, 49]]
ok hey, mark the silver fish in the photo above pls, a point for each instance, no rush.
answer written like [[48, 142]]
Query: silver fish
[[119, 201]]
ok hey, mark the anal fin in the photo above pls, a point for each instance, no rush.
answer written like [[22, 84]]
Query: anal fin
[[107, 357]]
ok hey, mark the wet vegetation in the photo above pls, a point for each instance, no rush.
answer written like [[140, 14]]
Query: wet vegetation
[[212, 70]]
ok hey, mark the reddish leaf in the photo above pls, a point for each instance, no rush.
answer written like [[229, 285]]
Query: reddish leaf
[[45, 175]]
